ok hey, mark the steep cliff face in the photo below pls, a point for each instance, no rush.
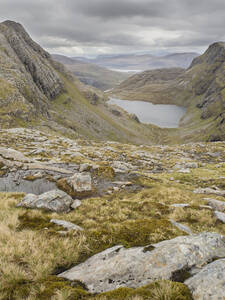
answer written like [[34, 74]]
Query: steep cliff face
[[27, 76]]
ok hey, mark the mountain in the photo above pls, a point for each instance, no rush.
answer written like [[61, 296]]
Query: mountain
[[92, 74], [36, 91], [200, 88], [137, 62]]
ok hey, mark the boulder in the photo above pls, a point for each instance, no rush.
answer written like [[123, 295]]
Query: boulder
[[55, 200], [79, 185], [12, 154], [209, 283], [134, 267]]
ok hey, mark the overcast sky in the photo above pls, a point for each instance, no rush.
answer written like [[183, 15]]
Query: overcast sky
[[87, 27]]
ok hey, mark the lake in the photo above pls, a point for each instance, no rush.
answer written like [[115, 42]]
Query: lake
[[162, 115]]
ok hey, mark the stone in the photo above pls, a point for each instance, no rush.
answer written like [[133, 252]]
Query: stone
[[180, 205], [122, 167], [67, 225], [80, 182], [209, 283], [181, 227], [85, 167], [55, 200], [220, 216], [209, 191], [134, 267], [12, 154], [185, 171], [76, 203], [216, 204]]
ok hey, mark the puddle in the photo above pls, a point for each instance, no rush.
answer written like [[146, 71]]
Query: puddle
[[10, 183]]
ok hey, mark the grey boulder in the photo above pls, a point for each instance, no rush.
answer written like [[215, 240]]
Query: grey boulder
[[209, 283], [134, 267], [55, 200], [67, 225]]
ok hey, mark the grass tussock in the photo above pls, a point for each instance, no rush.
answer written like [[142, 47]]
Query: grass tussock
[[32, 251]]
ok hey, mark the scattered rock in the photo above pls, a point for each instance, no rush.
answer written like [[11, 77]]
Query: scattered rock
[[216, 204], [119, 267], [85, 167], [182, 227], [67, 225], [209, 191], [180, 205], [76, 203], [209, 283], [54, 200], [220, 216]]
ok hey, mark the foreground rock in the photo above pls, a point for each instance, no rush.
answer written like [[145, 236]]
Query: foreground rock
[[55, 200], [118, 267], [79, 185], [209, 283]]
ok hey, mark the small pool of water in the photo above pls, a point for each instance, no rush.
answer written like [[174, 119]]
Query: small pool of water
[[162, 115]]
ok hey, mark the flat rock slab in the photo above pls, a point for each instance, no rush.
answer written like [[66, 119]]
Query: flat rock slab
[[181, 227], [209, 283], [134, 267], [67, 225], [209, 191], [216, 204], [55, 200]]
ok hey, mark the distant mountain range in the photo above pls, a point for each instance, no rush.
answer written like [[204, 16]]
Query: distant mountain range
[[137, 62], [92, 74]]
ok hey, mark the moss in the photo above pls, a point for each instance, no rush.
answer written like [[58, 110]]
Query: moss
[[159, 290], [105, 171], [28, 221]]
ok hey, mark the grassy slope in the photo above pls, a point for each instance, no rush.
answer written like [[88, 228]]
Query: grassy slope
[[32, 250], [92, 74]]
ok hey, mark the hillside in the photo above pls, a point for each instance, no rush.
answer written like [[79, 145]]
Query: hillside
[[200, 88], [157, 210], [92, 74], [36, 91], [141, 62]]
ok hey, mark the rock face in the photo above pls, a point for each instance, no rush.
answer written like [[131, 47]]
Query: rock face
[[28, 79], [209, 283], [54, 200], [117, 267]]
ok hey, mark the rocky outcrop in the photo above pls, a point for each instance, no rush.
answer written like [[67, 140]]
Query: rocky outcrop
[[209, 283], [173, 259], [27, 75], [54, 200]]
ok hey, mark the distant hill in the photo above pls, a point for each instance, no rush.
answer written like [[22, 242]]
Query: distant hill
[[144, 61], [200, 88], [92, 74]]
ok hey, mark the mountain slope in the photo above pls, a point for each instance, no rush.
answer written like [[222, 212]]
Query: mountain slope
[[143, 62], [92, 74], [201, 88], [36, 91]]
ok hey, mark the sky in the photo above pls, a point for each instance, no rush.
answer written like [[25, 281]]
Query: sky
[[94, 27]]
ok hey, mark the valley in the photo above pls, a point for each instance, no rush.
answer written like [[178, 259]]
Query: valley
[[97, 201]]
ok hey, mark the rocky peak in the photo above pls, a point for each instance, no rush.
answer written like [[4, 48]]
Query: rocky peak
[[214, 54]]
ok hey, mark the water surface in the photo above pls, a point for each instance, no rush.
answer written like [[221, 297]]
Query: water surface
[[162, 115]]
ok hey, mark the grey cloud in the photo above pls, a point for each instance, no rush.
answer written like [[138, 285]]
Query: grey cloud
[[119, 25]]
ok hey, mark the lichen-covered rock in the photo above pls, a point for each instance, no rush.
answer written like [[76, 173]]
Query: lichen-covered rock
[[55, 200], [209, 283], [119, 267], [78, 185]]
